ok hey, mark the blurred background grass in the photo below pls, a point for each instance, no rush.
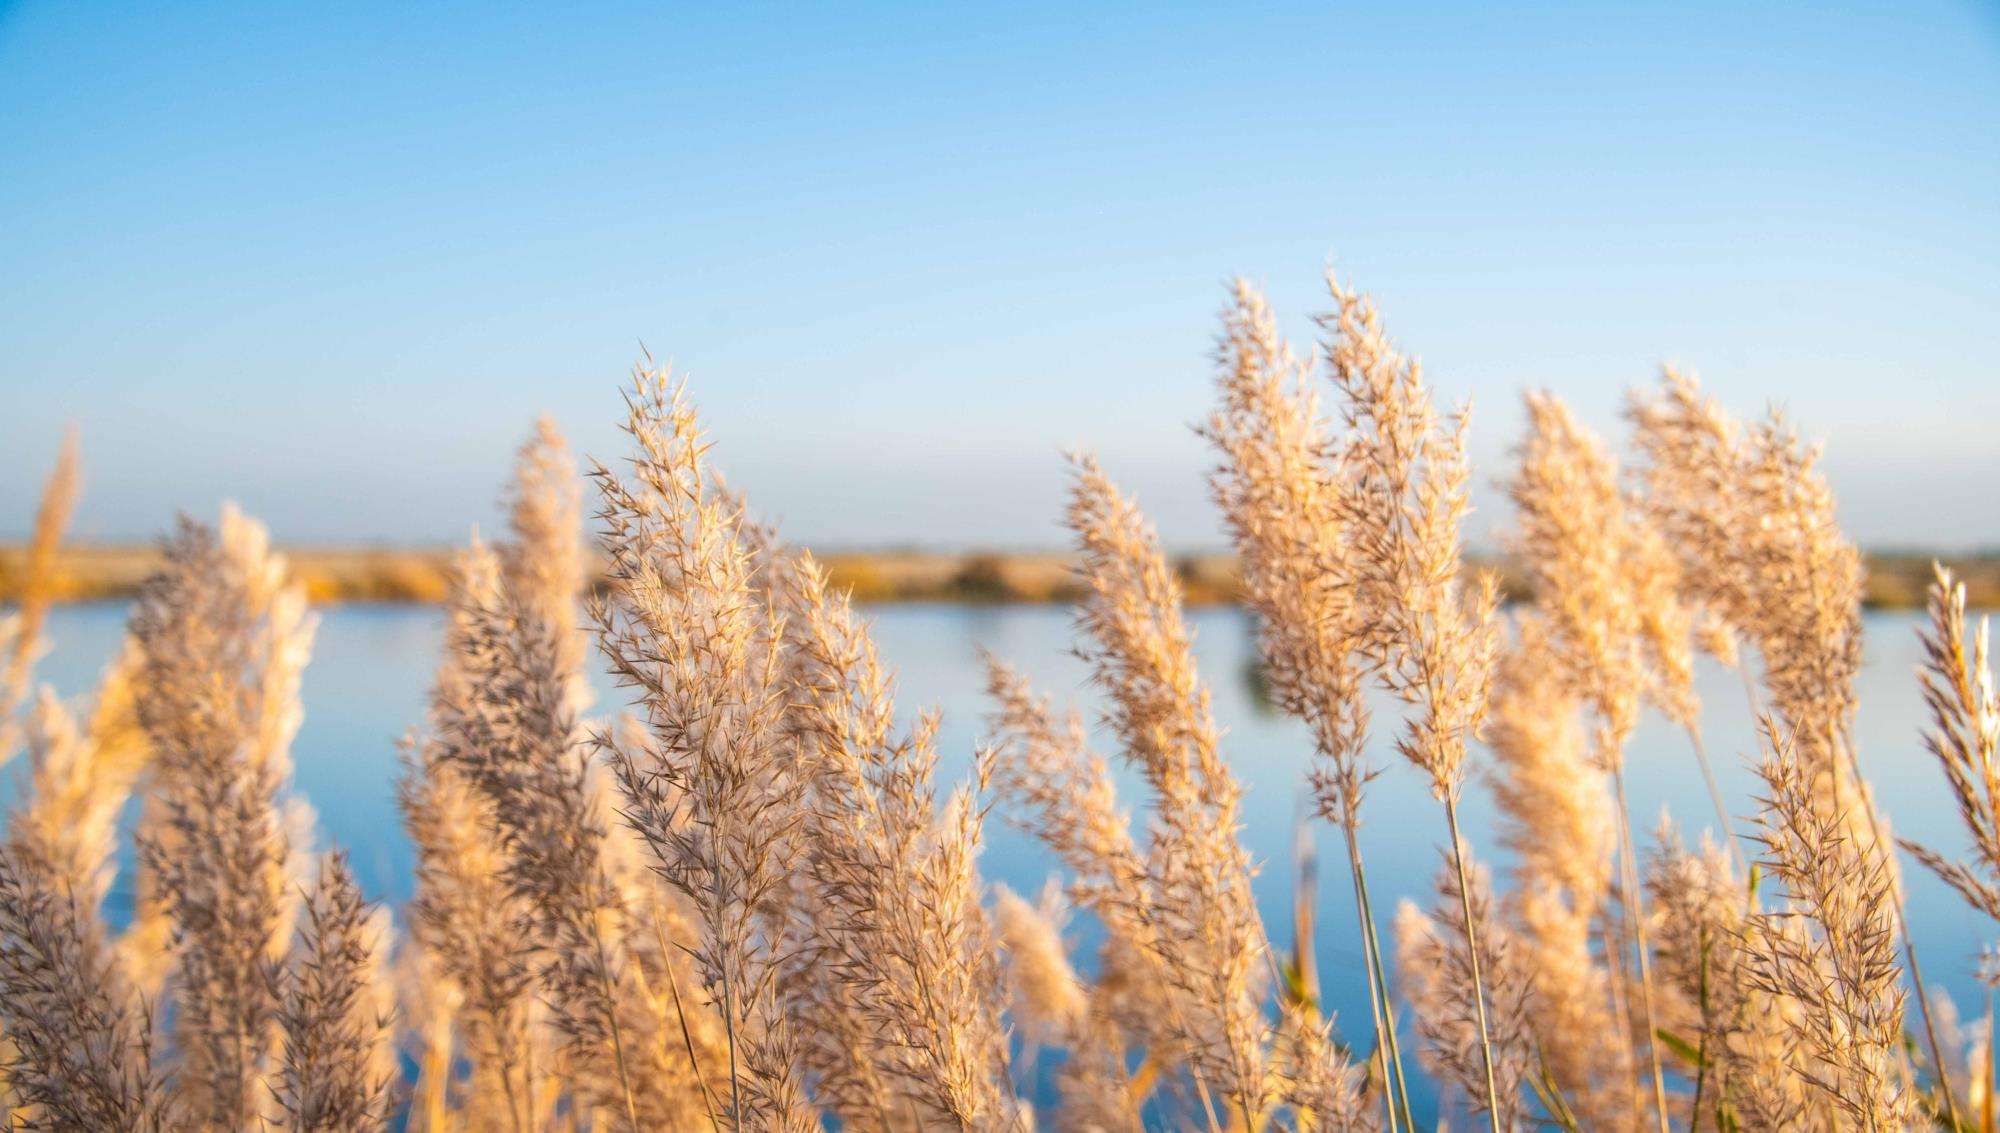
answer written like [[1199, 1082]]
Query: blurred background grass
[[104, 572]]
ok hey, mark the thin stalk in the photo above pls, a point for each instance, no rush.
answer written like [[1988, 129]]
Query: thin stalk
[[728, 1015], [528, 1070], [1629, 868], [1924, 1011], [1749, 690], [1381, 980], [1374, 988], [1550, 1093], [1200, 1083], [1727, 829], [1701, 1051], [1472, 950], [1139, 1087], [687, 1037], [617, 1032], [1986, 1068], [1903, 930], [507, 1091], [433, 1071], [503, 1049], [1621, 1007]]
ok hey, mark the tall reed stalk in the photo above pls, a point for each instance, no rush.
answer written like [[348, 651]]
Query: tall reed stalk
[[755, 904]]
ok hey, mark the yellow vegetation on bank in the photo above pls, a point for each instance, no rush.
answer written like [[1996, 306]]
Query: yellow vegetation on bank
[[109, 572]]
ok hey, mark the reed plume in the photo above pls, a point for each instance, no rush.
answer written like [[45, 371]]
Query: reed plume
[[897, 873], [1281, 488], [82, 1057], [1141, 658], [1066, 799], [1185, 940], [1965, 737], [1049, 1001], [465, 916], [1618, 632], [1430, 641], [1477, 1033], [1753, 522], [80, 776], [1604, 576], [82, 1054], [1846, 975], [1753, 519], [1749, 1072], [709, 787], [21, 637], [223, 636], [506, 722], [770, 744], [337, 1067], [1424, 637], [1558, 819]]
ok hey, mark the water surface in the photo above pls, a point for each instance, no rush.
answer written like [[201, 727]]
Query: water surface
[[371, 666]]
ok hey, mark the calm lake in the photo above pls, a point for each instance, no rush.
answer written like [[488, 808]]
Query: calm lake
[[372, 664]]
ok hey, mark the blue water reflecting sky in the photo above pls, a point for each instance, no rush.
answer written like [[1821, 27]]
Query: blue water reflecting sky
[[366, 685]]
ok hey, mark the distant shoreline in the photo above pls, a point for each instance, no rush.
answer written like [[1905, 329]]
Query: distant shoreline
[[103, 572]]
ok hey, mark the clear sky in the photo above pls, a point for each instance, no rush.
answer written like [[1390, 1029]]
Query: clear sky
[[329, 261]]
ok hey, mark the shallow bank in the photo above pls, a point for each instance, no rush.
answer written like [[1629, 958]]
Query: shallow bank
[[95, 572]]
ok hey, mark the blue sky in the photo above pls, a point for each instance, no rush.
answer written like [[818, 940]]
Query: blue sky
[[330, 261]]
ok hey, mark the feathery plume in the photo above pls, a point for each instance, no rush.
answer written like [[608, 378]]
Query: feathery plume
[[1049, 1000], [336, 1013], [895, 876], [465, 916], [1431, 643], [21, 633], [1141, 657], [1748, 1072], [1460, 1019], [1965, 737], [1845, 976], [1603, 577], [1558, 820], [1618, 634], [1279, 488], [1319, 1084], [82, 1055], [515, 739], [710, 789], [79, 778], [223, 636], [1426, 640], [1753, 521]]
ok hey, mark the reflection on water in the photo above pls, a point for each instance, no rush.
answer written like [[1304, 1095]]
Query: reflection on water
[[371, 665]]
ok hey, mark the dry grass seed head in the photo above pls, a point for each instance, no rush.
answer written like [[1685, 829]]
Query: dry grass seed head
[[1965, 737], [1279, 488], [1141, 658], [1437, 981], [1431, 643], [223, 638], [337, 1013]]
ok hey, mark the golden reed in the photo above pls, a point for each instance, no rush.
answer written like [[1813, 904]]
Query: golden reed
[[744, 900]]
